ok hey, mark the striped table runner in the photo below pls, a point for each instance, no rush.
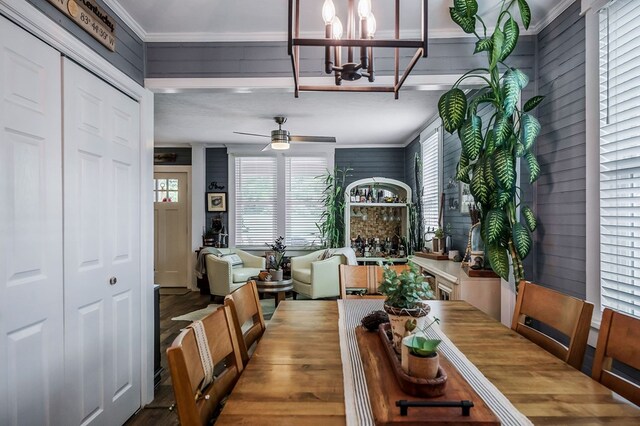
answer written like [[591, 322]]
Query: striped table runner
[[358, 407]]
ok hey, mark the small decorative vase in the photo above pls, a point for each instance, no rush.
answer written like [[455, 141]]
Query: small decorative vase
[[422, 367], [403, 321], [276, 275]]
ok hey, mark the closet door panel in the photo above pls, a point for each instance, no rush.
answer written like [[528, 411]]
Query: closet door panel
[[31, 305], [102, 245]]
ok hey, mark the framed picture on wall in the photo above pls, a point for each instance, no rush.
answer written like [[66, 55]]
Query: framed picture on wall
[[466, 199], [216, 201]]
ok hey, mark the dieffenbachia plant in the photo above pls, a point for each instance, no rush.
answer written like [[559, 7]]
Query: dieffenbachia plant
[[490, 150]]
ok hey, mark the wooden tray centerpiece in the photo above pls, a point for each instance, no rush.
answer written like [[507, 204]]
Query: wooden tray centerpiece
[[387, 383], [431, 255]]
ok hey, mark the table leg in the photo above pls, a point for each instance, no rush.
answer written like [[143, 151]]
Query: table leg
[[280, 296]]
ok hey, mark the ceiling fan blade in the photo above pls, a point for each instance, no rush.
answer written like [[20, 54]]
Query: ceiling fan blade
[[252, 134], [267, 148], [297, 138]]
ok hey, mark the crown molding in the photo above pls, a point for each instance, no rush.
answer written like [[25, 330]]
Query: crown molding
[[122, 13], [557, 10]]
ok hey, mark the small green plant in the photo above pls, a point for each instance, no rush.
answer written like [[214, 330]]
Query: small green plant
[[406, 290], [439, 233], [279, 250], [420, 345], [331, 225]]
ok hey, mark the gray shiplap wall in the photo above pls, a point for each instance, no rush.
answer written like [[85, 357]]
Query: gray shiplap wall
[[270, 59], [217, 170], [410, 152], [129, 54], [372, 162], [560, 190]]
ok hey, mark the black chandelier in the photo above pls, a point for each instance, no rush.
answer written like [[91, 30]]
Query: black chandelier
[[365, 41]]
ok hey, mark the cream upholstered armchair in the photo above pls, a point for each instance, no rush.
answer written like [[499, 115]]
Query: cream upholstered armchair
[[316, 278], [231, 269]]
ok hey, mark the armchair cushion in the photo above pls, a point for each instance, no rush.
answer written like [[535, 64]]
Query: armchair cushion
[[241, 275], [233, 259], [302, 275]]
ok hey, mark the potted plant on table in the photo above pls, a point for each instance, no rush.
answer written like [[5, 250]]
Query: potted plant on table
[[438, 241], [405, 304], [419, 356], [275, 264]]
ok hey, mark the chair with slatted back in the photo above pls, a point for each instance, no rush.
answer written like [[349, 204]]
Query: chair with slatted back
[[566, 314], [197, 406], [619, 340], [356, 281], [245, 306]]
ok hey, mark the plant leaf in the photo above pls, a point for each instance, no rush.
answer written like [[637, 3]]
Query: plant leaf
[[468, 24], [534, 167], [502, 129], [497, 40], [466, 7], [495, 224], [512, 88], [452, 107], [530, 127], [489, 178], [483, 45], [478, 189], [490, 145], [520, 150], [511, 34], [521, 239], [485, 97], [504, 168], [462, 170], [532, 103], [525, 13], [502, 198], [499, 260], [471, 137], [529, 218]]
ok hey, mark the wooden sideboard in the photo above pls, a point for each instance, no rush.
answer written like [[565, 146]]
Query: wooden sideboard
[[453, 283]]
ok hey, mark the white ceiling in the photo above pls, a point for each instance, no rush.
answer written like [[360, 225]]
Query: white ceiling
[[353, 118]]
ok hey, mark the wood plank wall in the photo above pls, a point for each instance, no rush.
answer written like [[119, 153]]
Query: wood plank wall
[[129, 54], [560, 252]]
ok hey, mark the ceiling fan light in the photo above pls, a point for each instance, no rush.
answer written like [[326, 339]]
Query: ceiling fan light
[[280, 145]]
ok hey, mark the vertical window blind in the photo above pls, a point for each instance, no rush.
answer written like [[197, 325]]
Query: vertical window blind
[[255, 200], [430, 183], [620, 156], [303, 199]]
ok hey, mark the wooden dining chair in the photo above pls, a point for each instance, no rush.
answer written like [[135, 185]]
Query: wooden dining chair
[[566, 314], [358, 280], [197, 406], [619, 339], [247, 316], [378, 271]]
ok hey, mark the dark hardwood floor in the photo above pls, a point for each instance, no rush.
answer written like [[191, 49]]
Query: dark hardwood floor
[[157, 413]]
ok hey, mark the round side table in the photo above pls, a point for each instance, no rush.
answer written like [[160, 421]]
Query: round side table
[[279, 288]]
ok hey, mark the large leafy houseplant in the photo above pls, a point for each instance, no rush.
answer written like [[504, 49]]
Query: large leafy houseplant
[[490, 150], [331, 225]]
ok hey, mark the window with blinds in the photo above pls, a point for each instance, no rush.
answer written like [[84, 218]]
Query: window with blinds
[[303, 199], [430, 183], [255, 200], [620, 156]]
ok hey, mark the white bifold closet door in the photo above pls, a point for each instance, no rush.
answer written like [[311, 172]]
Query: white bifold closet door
[[31, 306], [101, 250]]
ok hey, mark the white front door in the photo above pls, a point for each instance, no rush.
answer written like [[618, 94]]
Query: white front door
[[31, 319], [171, 227], [102, 250]]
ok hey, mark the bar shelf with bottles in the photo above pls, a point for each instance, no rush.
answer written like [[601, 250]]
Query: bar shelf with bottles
[[376, 219]]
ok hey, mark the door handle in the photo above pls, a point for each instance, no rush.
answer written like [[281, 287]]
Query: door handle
[[113, 280]]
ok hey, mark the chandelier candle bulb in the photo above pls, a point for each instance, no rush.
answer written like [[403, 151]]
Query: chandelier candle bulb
[[328, 64]]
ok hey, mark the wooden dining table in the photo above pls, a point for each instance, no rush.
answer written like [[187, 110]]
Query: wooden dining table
[[295, 375]]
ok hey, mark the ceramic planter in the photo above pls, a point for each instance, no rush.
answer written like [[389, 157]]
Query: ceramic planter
[[422, 367], [276, 275], [403, 321]]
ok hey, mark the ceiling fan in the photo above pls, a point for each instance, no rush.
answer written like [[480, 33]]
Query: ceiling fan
[[280, 139]]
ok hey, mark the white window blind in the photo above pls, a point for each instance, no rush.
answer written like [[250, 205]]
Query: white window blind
[[255, 200], [620, 156], [303, 199], [430, 183]]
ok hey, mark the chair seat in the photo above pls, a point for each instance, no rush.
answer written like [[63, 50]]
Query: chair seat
[[241, 275], [303, 275]]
